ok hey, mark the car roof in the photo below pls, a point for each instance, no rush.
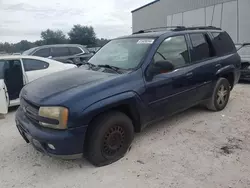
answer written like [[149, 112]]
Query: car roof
[[155, 34], [8, 57], [61, 45]]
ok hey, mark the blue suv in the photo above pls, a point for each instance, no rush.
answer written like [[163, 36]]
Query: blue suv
[[131, 82]]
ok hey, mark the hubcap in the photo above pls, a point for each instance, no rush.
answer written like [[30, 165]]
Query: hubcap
[[113, 141], [222, 95]]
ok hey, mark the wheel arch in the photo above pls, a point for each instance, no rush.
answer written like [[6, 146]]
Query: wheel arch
[[228, 73], [127, 103]]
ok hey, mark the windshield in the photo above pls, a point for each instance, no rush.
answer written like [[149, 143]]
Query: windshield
[[28, 52], [245, 51], [122, 53]]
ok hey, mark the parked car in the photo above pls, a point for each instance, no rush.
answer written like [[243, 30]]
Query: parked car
[[16, 71], [66, 53], [244, 52], [128, 84]]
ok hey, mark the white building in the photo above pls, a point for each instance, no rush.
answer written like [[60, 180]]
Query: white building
[[230, 15]]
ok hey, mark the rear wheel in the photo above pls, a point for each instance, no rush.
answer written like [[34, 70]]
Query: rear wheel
[[109, 138], [220, 95]]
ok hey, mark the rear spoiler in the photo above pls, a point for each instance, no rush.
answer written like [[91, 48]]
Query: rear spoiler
[[243, 45]]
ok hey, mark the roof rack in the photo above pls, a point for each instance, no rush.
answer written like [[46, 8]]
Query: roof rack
[[177, 28], [200, 28], [155, 29]]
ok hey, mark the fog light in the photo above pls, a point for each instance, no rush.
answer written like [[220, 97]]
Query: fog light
[[51, 146]]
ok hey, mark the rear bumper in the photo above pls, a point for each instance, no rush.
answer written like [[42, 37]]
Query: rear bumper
[[68, 144], [245, 75]]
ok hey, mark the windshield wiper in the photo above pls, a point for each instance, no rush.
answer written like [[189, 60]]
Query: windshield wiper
[[114, 68], [89, 64]]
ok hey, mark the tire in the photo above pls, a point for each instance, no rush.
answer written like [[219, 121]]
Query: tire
[[109, 138], [221, 95]]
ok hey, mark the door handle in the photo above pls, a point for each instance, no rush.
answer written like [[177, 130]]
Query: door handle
[[190, 74], [218, 66]]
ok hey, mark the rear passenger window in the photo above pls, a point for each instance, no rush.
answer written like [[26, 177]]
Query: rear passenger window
[[43, 52], [201, 49], [75, 50], [60, 51], [223, 43], [33, 64]]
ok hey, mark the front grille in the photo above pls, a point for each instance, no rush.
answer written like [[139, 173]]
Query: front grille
[[30, 110]]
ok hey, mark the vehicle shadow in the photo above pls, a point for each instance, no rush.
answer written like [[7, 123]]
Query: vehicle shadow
[[244, 82]]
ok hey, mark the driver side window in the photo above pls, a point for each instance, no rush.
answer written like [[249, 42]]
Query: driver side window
[[173, 50]]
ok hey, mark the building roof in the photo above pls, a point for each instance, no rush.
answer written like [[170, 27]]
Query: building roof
[[145, 5]]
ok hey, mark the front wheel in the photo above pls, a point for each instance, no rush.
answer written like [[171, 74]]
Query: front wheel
[[109, 138], [220, 95]]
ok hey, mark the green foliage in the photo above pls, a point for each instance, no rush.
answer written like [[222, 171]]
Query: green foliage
[[82, 35], [53, 37], [79, 34]]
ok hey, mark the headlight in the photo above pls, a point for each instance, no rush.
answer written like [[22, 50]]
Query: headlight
[[53, 117]]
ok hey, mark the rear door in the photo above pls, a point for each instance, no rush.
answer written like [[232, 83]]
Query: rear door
[[61, 54], [4, 98], [204, 64]]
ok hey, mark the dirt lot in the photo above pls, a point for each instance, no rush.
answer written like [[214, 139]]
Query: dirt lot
[[197, 148]]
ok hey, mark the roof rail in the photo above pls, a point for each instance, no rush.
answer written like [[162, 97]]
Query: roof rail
[[198, 28], [177, 28], [158, 29]]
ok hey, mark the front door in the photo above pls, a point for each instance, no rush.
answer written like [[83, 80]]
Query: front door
[[170, 92], [4, 98]]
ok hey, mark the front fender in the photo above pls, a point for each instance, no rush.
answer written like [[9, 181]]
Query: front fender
[[127, 98]]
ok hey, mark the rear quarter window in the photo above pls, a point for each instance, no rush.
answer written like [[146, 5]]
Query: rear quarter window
[[33, 64], [223, 44]]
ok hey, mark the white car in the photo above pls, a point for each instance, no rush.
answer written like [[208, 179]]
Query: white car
[[16, 71]]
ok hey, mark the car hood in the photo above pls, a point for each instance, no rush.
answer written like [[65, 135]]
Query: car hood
[[54, 84]]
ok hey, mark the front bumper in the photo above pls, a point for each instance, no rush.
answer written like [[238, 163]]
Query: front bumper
[[68, 144]]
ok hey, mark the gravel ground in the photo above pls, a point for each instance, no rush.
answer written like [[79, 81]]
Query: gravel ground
[[197, 148]]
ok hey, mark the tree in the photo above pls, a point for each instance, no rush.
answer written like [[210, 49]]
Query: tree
[[82, 35], [53, 37], [101, 42], [23, 45]]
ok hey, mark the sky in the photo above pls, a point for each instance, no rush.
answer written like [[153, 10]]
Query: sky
[[25, 19]]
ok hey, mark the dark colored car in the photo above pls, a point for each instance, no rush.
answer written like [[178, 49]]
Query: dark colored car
[[66, 53], [131, 82], [244, 52]]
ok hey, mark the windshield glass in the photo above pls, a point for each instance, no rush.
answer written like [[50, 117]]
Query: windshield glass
[[122, 53], [245, 51], [28, 52]]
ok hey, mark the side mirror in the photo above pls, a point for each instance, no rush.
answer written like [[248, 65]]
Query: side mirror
[[50, 57], [159, 67]]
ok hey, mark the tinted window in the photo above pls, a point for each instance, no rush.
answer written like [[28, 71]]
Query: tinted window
[[174, 50], [223, 43], [75, 50], [43, 52], [32, 64], [201, 49], [60, 51], [2, 63]]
